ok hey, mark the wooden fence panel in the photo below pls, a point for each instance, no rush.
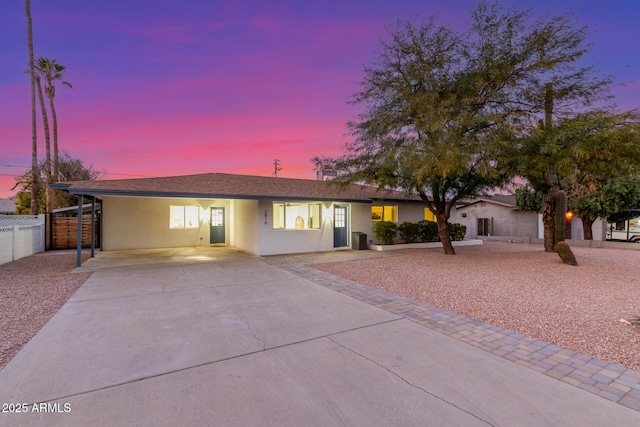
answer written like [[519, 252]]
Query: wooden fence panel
[[65, 233]]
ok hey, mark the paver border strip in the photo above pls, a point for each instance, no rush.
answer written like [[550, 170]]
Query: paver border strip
[[608, 380]]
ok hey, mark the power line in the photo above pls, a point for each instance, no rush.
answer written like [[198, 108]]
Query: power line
[[14, 166]]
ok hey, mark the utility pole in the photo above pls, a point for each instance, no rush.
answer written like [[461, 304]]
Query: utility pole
[[276, 167]]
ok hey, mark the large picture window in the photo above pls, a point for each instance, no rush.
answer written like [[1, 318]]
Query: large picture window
[[384, 213], [428, 215], [296, 216], [184, 217]]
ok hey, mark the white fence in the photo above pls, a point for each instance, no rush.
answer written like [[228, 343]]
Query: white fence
[[20, 237]]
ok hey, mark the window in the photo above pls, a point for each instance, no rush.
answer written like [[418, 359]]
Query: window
[[463, 214], [184, 217], [428, 215], [340, 217], [384, 213], [296, 216], [484, 227]]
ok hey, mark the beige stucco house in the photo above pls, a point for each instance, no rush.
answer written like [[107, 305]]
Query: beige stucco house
[[259, 215]]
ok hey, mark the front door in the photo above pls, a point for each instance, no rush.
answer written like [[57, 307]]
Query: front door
[[340, 222], [217, 226]]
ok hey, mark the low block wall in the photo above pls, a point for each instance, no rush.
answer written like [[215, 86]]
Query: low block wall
[[19, 241], [430, 245]]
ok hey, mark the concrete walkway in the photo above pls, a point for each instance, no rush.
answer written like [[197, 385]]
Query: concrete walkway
[[215, 337]]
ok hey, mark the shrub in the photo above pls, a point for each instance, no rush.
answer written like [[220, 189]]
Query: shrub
[[428, 231], [385, 231], [457, 231], [409, 231]]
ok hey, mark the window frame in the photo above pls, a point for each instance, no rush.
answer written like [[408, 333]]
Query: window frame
[[394, 213], [428, 215], [186, 216], [313, 211]]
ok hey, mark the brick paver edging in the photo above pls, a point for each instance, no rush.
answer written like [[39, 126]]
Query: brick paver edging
[[611, 381]]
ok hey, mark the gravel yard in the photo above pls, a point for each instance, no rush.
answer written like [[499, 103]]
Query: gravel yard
[[32, 290], [522, 288]]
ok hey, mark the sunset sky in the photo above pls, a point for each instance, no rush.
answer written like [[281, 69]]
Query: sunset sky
[[180, 87]]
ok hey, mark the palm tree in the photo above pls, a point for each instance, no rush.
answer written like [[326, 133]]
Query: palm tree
[[52, 71], [45, 121], [34, 140], [47, 139]]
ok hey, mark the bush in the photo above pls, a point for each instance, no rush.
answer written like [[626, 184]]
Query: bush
[[409, 231], [386, 232], [428, 231], [457, 231]]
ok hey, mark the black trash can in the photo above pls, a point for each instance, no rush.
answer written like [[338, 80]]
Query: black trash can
[[358, 241]]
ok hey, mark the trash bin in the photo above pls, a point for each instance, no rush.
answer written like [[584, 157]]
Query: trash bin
[[358, 241]]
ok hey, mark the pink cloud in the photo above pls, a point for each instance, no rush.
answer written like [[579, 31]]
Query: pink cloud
[[627, 95]]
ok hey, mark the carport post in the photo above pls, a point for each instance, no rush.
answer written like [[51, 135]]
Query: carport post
[[93, 226], [79, 246]]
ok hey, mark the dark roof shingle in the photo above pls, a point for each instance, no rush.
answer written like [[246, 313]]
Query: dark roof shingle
[[221, 185]]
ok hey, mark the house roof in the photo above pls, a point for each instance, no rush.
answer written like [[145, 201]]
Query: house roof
[[506, 200], [8, 206], [221, 185]]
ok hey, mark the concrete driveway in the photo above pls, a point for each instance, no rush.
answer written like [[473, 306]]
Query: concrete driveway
[[215, 337]]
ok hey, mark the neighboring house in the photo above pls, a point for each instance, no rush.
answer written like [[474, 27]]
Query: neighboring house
[[260, 215], [8, 206], [497, 216]]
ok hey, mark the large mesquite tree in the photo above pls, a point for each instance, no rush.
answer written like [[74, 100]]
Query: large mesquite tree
[[443, 108]]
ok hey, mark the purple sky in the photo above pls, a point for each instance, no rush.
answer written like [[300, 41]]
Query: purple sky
[[178, 87]]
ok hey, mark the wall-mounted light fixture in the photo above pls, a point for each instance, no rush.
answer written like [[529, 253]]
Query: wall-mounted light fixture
[[568, 215]]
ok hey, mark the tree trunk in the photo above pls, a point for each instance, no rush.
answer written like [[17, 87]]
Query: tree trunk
[[45, 122], [550, 180], [47, 145], [442, 211], [549, 222], [443, 233], [56, 158], [587, 227], [34, 135]]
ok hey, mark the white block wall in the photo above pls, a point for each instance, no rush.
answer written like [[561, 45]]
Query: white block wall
[[19, 241]]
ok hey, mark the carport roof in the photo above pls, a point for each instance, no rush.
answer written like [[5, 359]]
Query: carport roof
[[231, 186]]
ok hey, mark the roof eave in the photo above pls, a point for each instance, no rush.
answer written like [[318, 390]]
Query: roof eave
[[170, 194]]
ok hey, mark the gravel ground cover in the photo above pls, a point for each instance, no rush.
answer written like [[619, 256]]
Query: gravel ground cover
[[32, 290], [522, 288]]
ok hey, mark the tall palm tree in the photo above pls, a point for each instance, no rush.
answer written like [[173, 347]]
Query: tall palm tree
[[45, 121], [47, 139], [51, 71], [34, 136]]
